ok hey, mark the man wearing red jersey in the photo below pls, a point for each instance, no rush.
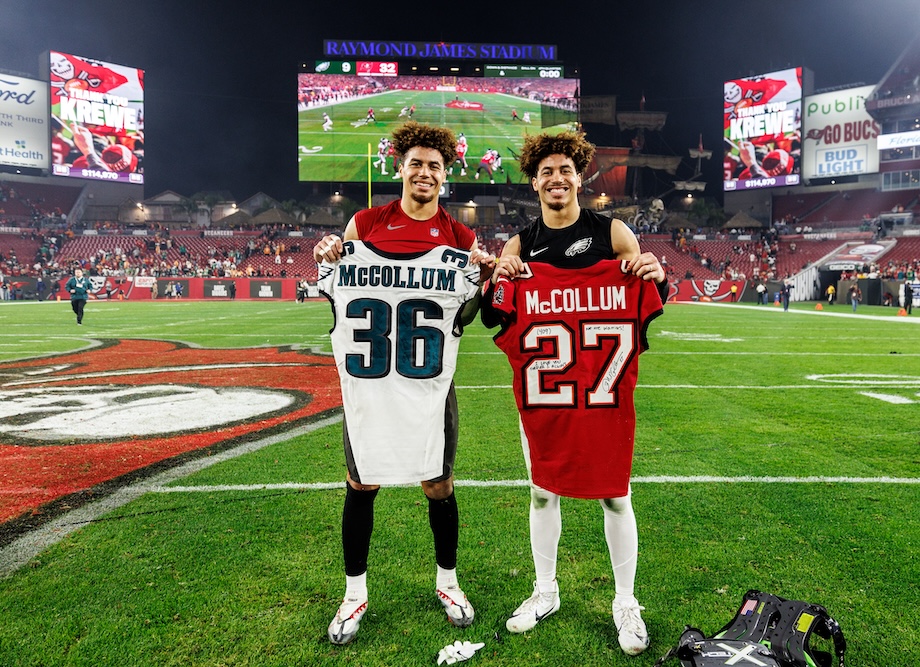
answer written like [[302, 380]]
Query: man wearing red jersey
[[412, 224], [487, 162], [569, 237]]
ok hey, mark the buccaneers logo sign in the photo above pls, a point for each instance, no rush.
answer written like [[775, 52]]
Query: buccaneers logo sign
[[704, 290], [77, 425]]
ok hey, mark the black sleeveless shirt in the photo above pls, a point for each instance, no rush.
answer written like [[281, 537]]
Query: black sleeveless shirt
[[579, 245]]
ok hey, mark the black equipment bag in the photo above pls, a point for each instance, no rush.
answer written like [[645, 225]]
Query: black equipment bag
[[767, 631]]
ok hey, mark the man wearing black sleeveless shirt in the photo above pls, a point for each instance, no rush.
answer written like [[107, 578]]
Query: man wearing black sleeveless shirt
[[568, 236]]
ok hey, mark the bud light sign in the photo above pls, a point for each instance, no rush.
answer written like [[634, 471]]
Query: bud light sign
[[840, 137]]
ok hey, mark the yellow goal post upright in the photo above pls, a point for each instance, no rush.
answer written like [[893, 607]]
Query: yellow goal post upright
[[369, 169]]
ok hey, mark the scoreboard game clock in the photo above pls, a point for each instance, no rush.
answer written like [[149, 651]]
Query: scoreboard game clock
[[524, 71]]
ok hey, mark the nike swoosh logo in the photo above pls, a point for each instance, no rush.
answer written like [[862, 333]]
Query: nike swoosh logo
[[392, 227], [534, 253]]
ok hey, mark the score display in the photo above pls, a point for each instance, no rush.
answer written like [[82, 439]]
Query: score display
[[359, 68], [377, 69]]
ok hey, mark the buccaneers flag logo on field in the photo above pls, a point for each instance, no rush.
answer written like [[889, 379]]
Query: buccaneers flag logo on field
[[80, 424]]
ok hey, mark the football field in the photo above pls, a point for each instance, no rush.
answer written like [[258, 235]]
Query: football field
[[774, 450], [340, 154]]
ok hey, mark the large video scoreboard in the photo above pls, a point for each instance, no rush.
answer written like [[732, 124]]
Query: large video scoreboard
[[762, 122], [97, 119], [347, 109]]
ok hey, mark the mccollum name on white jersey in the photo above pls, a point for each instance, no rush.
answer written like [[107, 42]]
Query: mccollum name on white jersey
[[388, 276]]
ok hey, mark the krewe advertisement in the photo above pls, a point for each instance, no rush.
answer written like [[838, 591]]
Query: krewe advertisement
[[762, 121], [97, 119]]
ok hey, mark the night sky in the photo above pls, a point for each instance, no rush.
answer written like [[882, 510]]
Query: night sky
[[220, 80]]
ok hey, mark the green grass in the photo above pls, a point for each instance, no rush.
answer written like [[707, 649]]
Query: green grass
[[341, 155], [252, 577]]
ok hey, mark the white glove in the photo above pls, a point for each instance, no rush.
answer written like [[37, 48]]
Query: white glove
[[458, 652]]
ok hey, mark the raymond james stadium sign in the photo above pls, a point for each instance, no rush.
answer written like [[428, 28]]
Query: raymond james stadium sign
[[353, 48]]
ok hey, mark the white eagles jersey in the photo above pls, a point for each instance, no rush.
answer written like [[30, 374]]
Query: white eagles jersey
[[395, 340]]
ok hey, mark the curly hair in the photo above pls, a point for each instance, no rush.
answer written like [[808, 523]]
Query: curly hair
[[540, 146], [413, 134]]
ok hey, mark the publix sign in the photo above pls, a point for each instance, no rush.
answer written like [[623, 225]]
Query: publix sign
[[839, 135]]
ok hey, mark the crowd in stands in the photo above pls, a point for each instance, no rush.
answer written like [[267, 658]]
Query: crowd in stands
[[49, 245], [26, 203], [272, 252], [323, 89], [267, 253]]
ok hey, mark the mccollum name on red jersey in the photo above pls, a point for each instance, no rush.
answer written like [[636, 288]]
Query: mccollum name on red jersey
[[575, 300]]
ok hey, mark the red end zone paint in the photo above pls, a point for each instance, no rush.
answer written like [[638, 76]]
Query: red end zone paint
[[71, 422]]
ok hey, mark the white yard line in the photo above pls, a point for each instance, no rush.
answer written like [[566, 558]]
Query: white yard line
[[502, 483]]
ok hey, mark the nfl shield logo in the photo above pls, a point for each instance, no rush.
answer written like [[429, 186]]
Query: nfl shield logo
[[434, 231]]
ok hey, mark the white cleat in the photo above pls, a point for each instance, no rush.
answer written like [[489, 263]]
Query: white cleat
[[344, 626], [533, 610], [633, 634], [458, 608]]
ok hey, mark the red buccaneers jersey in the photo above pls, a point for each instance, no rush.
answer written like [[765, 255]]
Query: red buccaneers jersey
[[573, 339], [391, 230]]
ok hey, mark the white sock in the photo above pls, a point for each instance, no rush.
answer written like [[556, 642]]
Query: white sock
[[446, 578], [623, 542], [356, 587], [545, 530]]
